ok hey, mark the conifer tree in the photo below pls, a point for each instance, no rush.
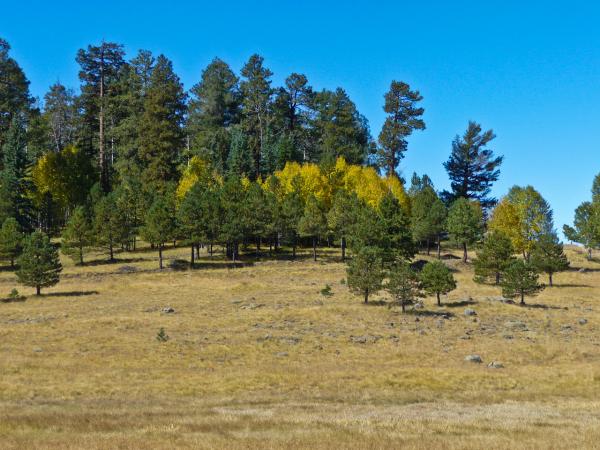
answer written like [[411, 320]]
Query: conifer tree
[[258, 214], [586, 227], [11, 240], [110, 228], [428, 217], [520, 279], [465, 223], [472, 167], [495, 256], [437, 279], [342, 216], [39, 264], [161, 134], [548, 256], [77, 235], [160, 225], [239, 162], [61, 115], [191, 218], [365, 273], [404, 285], [404, 116], [313, 223], [233, 225], [397, 237], [291, 211]]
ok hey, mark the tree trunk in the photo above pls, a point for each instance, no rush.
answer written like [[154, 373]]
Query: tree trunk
[[589, 254], [367, 295], [343, 248], [101, 151], [38, 290], [81, 255], [192, 254], [428, 247], [12, 262], [550, 279], [110, 250], [522, 297], [211, 250], [465, 256], [439, 247], [497, 277], [314, 248], [438, 299], [233, 252], [160, 262], [403, 306]]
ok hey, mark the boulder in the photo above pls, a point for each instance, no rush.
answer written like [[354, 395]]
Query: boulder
[[474, 359], [470, 312]]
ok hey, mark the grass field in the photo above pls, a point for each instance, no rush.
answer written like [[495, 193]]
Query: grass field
[[257, 357]]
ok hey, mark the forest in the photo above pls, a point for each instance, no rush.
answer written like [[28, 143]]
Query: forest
[[238, 166]]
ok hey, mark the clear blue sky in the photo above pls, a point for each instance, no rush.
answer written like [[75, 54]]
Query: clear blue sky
[[529, 70]]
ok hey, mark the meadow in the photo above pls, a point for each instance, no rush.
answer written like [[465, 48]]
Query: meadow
[[256, 356]]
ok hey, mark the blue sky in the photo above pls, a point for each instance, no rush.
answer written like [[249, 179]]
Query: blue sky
[[529, 70]]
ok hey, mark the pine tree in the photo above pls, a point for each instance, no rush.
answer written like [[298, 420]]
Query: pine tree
[[161, 134], [14, 201], [100, 68], [428, 217], [365, 274], [437, 279], [11, 240], [191, 218], [586, 227], [520, 279], [472, 167], [403, 118], [109, 224], [548, 256], [239, 162], [404, 285], [291, 211], [397, 237], [256, 105], [342, 216], [77, 235], [233, 225], [160, 225], [313, 223], [61, 114], [258, 214], [495, 256], [465, 223], [39, 264]]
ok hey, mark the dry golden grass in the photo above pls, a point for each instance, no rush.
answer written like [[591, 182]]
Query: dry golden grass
[[258, 358]]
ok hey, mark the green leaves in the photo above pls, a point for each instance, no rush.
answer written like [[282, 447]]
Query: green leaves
[[520, 280], [39, 264]]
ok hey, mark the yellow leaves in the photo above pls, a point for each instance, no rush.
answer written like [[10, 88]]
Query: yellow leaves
[[505, 219], [309, 178], [197, 170]]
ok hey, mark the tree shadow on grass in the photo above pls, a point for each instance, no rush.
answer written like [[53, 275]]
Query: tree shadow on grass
[[70, 294], [429, 313], [21, 298], [540, 306], [104, 262], [569, 285], [459, 303]]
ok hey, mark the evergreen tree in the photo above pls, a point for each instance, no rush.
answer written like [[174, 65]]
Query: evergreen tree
[[61, 115], [14, 91], [342, 216], [77, 235], [403, 118], [233, 225], [313, 223], [586, 227], [214, 107], [191, 218], [520, 279], [548, 256], [239, 162], [160, 225], [465, 223], [397, 237], [256, 108], [100, 68], [472, 167], [14, 201], [291, 211], [39, 264], [161, 135], [365, 274], [258, 214], [494, 257], [404, 285], [109, 224], [437, 279], [11, 240], [428, 217]]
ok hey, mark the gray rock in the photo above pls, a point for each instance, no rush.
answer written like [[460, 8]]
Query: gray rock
[[37, 350], [582, 321], [168, 310], [495, 365], [281, 354], [470, 312], [474, 359], [583, 270], [565, 327], [419, 305]]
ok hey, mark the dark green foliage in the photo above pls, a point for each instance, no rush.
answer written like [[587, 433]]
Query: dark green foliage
[[192, 218], [548, 255], [495, 256], [77, 235], [326, 291], [160, 225], [258, 213], [14, 201], [342, 216], [437, 279], [313, 223], [472, 167], [403, 118], [404, 285], [397, 242], [291, 212], [39, 264], [110, 226], [428, 217], [61, 116], [240, 162], [465, 223], [233, 222], [162, 335], [11, 240], [520, 279], [586, 226], [161, 135], [365, 273]]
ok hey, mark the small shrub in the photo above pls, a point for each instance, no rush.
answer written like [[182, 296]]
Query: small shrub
[[326, 291], [343, 281], [14, 295], [162, 336]]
